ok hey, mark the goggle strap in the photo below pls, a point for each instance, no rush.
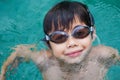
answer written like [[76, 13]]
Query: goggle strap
[[91, 29], [47, 37]]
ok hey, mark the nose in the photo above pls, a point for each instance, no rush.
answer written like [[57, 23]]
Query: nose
[[71, 42]]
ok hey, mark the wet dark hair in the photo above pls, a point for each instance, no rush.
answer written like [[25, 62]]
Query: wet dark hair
[[62, 15]]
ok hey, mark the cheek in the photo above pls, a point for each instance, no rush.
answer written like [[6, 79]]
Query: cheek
[[86, 42], [57, 49]]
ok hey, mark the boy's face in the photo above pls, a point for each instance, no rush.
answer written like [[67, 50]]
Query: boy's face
[[72, 50]]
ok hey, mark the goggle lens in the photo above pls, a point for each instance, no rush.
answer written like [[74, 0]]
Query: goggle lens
[[58, 37], [81, 32]]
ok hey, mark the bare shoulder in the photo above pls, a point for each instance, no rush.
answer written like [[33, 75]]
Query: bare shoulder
[[47, 52], [104, 51], [105, 55]]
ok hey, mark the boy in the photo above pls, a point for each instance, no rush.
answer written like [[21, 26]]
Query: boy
[[69, 33]]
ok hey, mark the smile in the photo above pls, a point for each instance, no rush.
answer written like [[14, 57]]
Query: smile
[[74, 53]]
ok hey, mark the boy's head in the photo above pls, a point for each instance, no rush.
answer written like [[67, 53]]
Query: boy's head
[[68, 26]]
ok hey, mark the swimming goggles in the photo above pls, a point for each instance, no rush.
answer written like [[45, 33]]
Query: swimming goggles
[[79, 32]]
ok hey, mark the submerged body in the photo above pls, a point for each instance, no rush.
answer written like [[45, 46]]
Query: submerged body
[[94, 67]]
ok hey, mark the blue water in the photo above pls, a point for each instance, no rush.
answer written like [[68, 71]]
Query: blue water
[[21, 23]]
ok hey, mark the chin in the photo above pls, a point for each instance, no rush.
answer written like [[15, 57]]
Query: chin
[[69, 60]]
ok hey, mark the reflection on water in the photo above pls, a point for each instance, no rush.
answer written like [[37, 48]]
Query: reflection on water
[[21, 23]]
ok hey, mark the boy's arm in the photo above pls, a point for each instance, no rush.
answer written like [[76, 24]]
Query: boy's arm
[[9, 61], [22, 51]]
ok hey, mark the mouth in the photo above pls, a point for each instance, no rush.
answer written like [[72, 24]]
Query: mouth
[[74, 53]]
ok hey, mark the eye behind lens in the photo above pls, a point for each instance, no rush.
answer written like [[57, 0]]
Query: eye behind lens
[[58, 37], [81, 32]]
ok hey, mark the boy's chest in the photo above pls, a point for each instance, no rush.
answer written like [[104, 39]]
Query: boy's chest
[[92, 71]]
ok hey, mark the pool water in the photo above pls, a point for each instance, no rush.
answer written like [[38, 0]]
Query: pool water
[[21, 23]]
